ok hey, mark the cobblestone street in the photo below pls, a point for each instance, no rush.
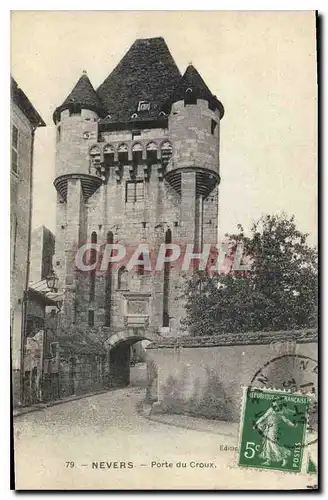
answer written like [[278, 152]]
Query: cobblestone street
[[108, 428]]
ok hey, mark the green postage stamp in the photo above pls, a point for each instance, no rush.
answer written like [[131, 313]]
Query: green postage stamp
[[273, 428]]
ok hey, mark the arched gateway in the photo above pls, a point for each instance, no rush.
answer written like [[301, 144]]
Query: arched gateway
[[119, 351], [131, 335]]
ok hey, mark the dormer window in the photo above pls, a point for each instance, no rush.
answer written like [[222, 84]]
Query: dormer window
[[144, 106]]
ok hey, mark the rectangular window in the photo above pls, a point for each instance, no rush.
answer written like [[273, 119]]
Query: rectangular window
[[139, 191], [91, 318], [14, 149], [136, 133], [58, 134], [134, 191]]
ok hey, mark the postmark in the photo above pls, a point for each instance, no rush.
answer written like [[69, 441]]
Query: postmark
[[273, 430], [294, 373]]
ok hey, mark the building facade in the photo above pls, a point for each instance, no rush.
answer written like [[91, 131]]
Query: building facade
[[24, 122], [137, 161]]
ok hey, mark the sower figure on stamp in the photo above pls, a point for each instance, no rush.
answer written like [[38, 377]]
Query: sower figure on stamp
[[268, 423]]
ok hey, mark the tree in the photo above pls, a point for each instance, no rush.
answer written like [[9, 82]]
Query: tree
[[279, 292]]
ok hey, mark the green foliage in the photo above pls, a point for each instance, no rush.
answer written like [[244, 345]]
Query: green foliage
[[278, 293]]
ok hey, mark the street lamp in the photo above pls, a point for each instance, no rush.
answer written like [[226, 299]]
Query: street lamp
[[52, 281]]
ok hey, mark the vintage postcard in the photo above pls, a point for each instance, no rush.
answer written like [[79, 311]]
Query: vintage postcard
[[164, 310]]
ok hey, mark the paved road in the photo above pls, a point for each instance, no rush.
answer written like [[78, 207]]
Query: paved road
[[107, 428]]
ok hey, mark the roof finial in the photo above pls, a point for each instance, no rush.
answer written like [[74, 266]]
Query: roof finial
[[84, 72], [190, 63]]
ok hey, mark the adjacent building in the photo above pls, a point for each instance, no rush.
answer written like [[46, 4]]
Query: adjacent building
[[24, 122], [42, 252]]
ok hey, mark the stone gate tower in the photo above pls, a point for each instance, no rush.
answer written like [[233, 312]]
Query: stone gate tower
[[137, 161]]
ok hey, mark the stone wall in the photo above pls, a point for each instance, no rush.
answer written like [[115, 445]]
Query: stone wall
[[205, 376], [71, 368]]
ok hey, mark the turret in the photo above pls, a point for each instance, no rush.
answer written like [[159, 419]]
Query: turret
[[77, 127], [193, 169], [76, 180], [194, 128]]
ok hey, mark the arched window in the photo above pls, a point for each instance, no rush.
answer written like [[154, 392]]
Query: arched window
[[108, 284], [151, 152], [140, 267], [123, 154], [137, 153], [109, 154], [166, 286], [93, 258], [122, 279]]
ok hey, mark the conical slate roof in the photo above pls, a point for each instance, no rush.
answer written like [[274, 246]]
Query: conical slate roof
[[83, 95], [192, 81], [148, 73]]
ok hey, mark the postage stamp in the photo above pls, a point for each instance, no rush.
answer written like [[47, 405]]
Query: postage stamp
[[295, 373], [273, 429]]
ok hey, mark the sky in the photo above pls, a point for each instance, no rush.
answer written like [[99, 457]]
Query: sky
[[261, 65]]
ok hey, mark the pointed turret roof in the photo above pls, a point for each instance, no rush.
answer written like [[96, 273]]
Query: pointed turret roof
[[83, 95], [148, 73], [192, 80]]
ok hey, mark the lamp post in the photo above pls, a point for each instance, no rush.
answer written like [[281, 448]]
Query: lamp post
[[52, 281]]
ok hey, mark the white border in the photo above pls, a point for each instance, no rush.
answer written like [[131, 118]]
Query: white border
[[4, 198]]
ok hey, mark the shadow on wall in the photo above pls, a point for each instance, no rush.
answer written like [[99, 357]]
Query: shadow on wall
[[204, 399]]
